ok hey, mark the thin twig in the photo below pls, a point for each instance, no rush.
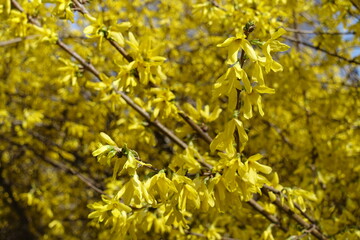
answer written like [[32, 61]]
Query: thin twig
[[83, 178], [204, 236], [204, 135], [215, 4], [267, 215], [295, 204], [301, 31], [356, 5], [124, 53], [16, 40], [309, 227], [120, 50], [322, 50], [280, 132], [155, 123]]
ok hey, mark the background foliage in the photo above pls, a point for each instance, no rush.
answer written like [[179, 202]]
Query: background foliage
[[161, 80]]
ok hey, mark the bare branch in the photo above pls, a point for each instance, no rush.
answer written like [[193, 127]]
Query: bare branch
[[301, 31], [295, 204], [309, 227], [267, 215], [322, 50], [16, 40], [215, 4], [355, 4], [204, 135], [58, 165]]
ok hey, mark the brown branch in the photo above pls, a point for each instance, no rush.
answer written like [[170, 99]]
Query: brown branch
[[120, 50], [80, 7], [322, 50], [215, 4], [128, 100], [88, 181], [267, 215], [301, 31], [31, 19], [181, 113], [204, 236], [155, 123], [309, 227], [356, 5], [16, 40], [204, 135], [67, 169], [83, 62], [23, 220], [269, 188]]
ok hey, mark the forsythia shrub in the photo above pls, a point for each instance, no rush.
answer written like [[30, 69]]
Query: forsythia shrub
[[181, 119]]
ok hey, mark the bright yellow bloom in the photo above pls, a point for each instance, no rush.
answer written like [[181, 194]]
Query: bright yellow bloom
[[254, 98], [224, 141], [235, 44], [164, 105], [202, 113], [273, 45], [99, 30], [147, 62], [62, 9]]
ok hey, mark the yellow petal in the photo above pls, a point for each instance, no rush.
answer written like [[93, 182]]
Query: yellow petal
[[258, 74], [227, 42], [118, 37], [158, 59], [262, 168], [107, 139], [240, 73], [247, 107], [233, 51], [265, 89], [241, 131], [89, 30], [278, 33], [101, 150], [260, 106], [133, 42], [272, 196], [250, 52], [90, 18], [276, 67], [255, 157]]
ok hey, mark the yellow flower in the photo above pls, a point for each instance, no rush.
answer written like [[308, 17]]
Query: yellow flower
[[126, 79], [202, 113], [104, 208], [259, 167], [63, 9], [71, 71], [254, 98], [161, 185], [224, 141], [99, 30], [134, 191], [272, 45], [234, 45], [19, 21], [163, 103], [147, 62]]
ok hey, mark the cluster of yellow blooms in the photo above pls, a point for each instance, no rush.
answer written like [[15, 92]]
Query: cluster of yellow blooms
[[204, 112]]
